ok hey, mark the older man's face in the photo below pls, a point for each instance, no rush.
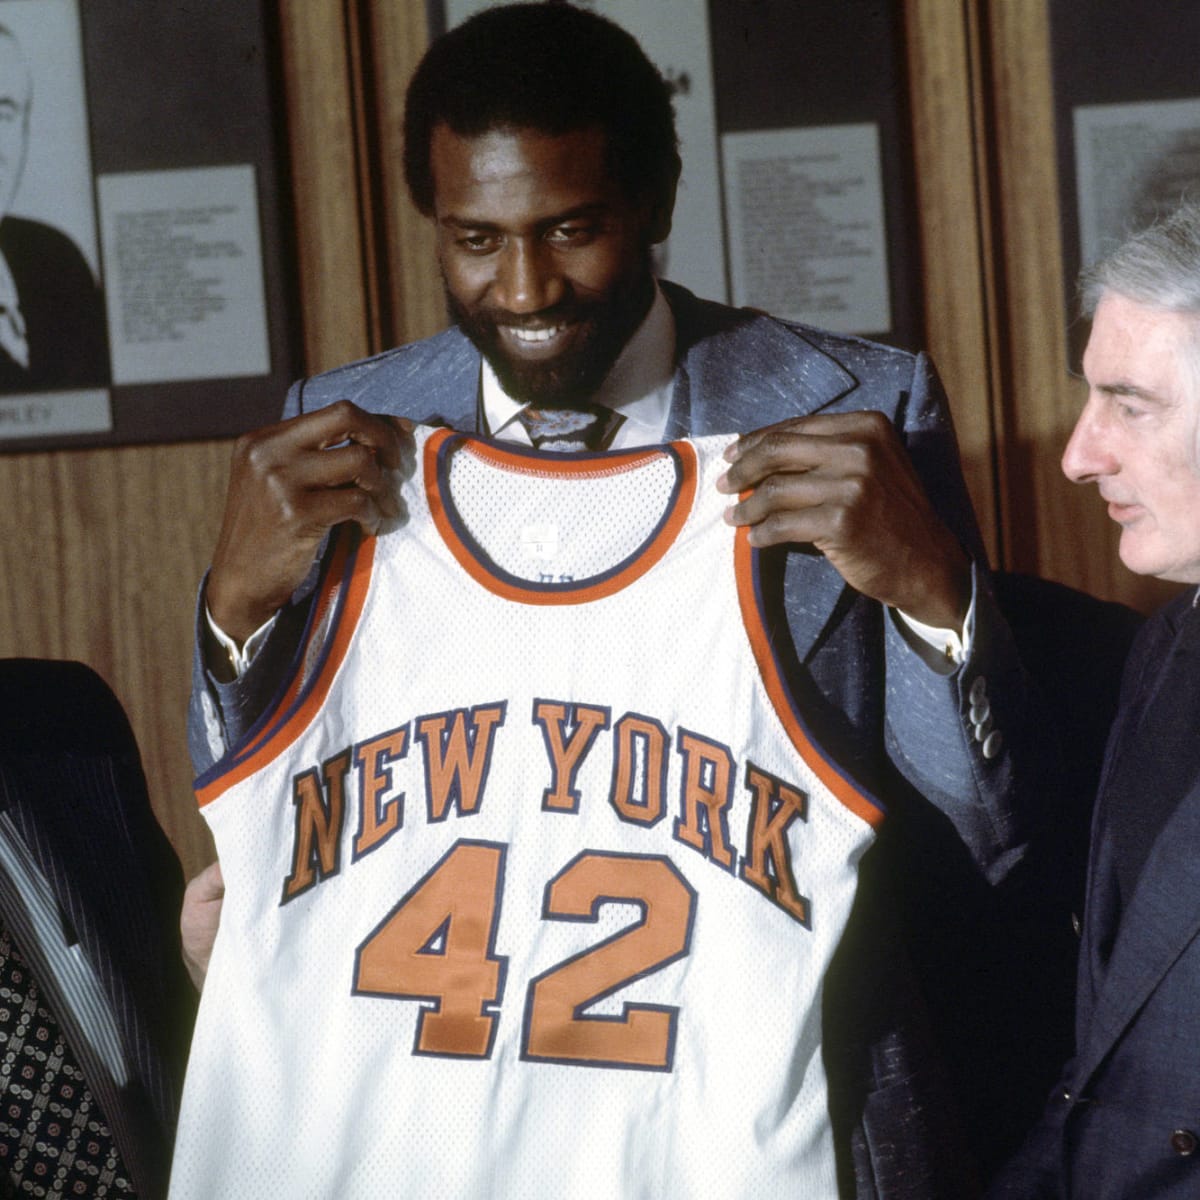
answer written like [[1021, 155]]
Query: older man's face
[[1136, 438], [14, 118]]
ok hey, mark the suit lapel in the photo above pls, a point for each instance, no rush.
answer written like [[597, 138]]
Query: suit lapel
[[68, 849], [1143, 676], [738, 371], [1162, 918], [1102, 901], [443, 382], [138, 1112]]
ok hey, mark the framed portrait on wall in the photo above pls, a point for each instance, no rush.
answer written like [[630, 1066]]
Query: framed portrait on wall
[[144, 249], [54, 368]]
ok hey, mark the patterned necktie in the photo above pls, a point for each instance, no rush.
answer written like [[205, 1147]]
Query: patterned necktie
[[13, 339], [12, 333], [592, 427], [54, 1140]]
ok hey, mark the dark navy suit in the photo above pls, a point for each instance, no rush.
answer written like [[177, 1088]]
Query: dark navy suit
[[918, 738], [1124, 1122]]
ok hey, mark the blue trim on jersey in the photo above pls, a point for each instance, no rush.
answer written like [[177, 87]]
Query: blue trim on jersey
[[756, 576], [271, 719]]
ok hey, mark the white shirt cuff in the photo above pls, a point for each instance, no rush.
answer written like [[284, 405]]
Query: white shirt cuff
[[239, 657], [944, 650]]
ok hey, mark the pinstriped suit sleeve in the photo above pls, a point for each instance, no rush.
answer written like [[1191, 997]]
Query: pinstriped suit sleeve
[[72, 782]]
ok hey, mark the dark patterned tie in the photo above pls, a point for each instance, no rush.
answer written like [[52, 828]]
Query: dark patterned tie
[[54, 1140], [12, 333], [592, 427]]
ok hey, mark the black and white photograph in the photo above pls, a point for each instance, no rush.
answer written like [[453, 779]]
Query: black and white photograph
[[52, 322]]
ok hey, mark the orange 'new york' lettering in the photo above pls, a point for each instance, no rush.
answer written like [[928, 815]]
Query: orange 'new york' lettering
[[457, 759], [768, 864], [566, 752], [316, 842]]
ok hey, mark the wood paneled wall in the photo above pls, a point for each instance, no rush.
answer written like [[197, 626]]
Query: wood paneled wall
[[1052, 527], [954, 204], [103, 548], [983, 137]]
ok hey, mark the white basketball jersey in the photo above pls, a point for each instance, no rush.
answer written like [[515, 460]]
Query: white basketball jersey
[[533, 873]]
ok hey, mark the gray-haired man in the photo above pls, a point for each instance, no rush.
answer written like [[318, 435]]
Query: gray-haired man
[[1125, 1119]]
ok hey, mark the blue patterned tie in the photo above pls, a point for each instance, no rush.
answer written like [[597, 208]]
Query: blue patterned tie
[[591, 427]]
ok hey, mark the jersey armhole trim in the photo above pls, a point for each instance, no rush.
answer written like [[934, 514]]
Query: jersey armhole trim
[[750, 600], [341, 592]]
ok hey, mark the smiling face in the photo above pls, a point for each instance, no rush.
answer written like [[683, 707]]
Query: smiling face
[[546, 261], [1136, 438]]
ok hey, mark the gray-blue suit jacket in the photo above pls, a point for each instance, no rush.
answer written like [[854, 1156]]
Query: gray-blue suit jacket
[[1124, 1121], [948, 752]]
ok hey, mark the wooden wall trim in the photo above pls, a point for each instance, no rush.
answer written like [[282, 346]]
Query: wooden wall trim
[[320, 43], [954, 204], [1038, 404], [399, 35], [1055, 528]]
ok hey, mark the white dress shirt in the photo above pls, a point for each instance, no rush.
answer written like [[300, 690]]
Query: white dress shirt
[[638, 386]]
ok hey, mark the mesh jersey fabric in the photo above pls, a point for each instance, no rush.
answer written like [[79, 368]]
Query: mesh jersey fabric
[[532, 872]]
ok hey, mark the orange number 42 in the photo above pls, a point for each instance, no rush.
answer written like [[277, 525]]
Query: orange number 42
[[438, 946]]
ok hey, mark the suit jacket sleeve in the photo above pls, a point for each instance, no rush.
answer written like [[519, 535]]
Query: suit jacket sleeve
[[975, 740], [221, 714]]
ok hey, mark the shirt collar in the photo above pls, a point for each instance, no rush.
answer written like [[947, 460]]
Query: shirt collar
[[638, 386]]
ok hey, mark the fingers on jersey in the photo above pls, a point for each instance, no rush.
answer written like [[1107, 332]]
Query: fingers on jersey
[[289, 484], [199, 919], [340, 447], [844, 483], [811, 479]]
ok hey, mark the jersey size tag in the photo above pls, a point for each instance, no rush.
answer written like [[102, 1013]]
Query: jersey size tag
[[540, 542]]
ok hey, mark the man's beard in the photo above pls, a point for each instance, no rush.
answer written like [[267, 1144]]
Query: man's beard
[[572, 377]]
